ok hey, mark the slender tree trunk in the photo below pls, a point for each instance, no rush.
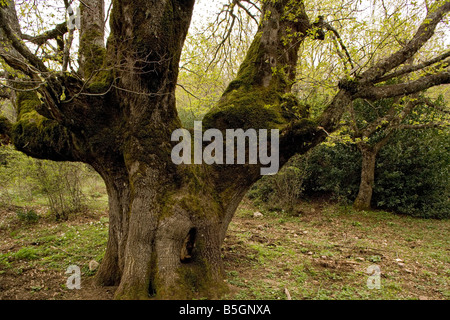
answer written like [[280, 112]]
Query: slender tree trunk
[[364, 198]]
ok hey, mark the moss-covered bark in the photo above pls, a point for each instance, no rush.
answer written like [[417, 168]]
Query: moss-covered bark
[[260, 95], [92, 50]]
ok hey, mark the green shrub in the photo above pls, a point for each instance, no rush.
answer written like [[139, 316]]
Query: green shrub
[[334, 171], [61, 184], [24, 179], [282, 191], [29, 216], [412, 175]]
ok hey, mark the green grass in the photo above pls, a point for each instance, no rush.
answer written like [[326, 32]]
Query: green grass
[[58, 247], [325, 255], [321, 255]]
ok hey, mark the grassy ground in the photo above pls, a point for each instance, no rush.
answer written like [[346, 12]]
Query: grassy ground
[[322, 253]]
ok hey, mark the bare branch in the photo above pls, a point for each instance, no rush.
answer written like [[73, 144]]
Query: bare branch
[[247, 11], [18, 45], [56, 33], [418, 67], [187, 91], [324, 24], [423, 34]]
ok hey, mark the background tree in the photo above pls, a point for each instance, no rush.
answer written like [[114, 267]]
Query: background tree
[[411, 174], [372, 126], [117, 112]]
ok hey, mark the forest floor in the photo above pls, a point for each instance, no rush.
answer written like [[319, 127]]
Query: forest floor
[[322, 252]]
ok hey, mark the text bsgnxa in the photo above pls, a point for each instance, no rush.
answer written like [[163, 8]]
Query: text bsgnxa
[[226, 310]]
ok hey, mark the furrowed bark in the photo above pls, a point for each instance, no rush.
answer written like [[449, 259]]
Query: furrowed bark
[[258, 95], [147, 40], [117, 185], [260, 98]]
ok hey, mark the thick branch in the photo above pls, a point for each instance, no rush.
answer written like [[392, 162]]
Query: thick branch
[[422, 126], [57, 33], [394, 121], [403, 89], [330, 118], [147, 40], [92, 37]]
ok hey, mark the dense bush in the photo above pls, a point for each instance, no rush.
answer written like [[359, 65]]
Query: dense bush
[[29, 216], [411, 177], [334, 171]]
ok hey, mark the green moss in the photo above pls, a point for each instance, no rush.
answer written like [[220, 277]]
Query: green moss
[[250, 103], [101, 83], [293, 108], [5, 125], [253, 107], [195, 282], [248, 69], [36, 135], [94, 55], [27, 102], [44, 139]]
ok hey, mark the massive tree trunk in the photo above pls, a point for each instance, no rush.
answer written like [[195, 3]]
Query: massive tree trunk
[[167, 222]]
